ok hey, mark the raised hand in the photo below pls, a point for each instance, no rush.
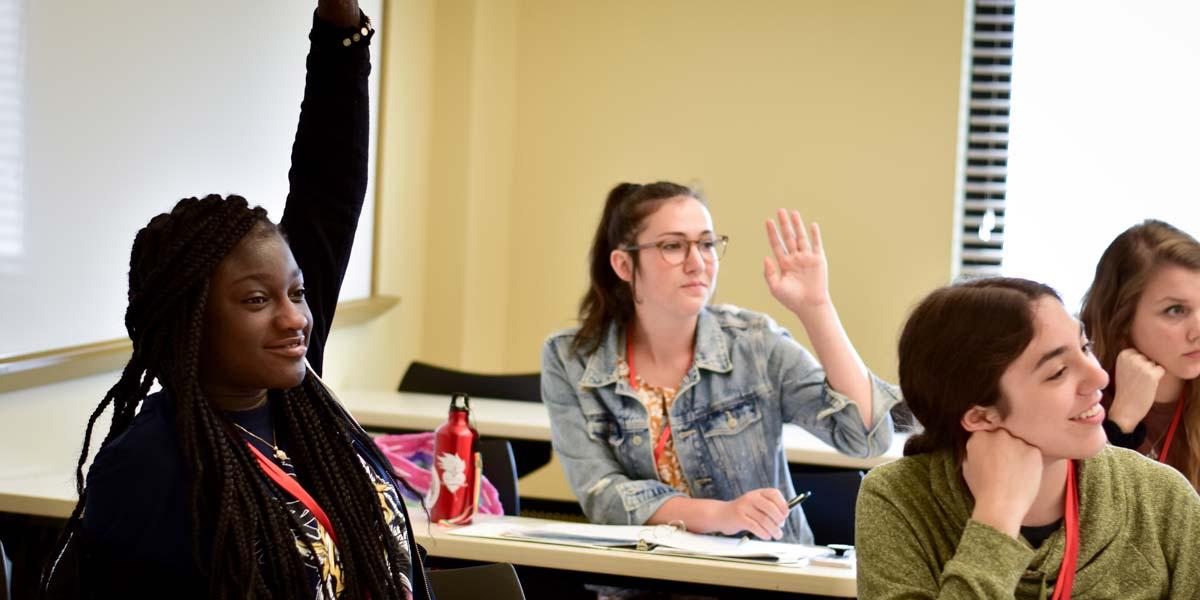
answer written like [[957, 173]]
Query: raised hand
[[1003, 473], [798, 277], [1137, 380], [343, 13], [762, 512]]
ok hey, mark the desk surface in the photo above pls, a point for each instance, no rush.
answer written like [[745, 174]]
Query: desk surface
[[40, 431], [824, 581], [40, 435], [530, 421]]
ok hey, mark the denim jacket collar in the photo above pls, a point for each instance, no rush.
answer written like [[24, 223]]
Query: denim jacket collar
[[604, 367]]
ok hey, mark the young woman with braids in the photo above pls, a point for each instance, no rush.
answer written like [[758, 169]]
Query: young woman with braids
[[244, 477], [1143, 312], [664, 408], [1010, 492]]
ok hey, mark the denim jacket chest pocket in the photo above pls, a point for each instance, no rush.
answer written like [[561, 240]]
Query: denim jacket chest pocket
[[625, 436], [734, 435]]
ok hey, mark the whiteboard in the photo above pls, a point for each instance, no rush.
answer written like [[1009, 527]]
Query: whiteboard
[[110, 113]]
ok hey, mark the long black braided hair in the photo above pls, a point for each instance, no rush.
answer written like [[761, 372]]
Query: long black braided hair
[[170, 266]]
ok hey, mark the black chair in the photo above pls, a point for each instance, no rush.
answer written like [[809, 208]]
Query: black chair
[[497, 581], [424, 378], [830, 510], [501, 470]]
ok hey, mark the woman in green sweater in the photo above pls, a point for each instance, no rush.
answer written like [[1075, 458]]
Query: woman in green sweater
[[1010, 491]]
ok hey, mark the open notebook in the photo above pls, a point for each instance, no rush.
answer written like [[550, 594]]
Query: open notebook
[[662, 539]]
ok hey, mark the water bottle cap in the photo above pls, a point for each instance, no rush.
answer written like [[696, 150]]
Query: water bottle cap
[[466, 402]]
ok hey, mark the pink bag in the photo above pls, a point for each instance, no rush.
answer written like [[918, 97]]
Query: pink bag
[[411, 454]]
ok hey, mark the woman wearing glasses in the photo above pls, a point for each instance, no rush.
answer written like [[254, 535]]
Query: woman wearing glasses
[[666, 409]]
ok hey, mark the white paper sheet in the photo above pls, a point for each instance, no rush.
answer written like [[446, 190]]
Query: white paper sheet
[[662, 539]]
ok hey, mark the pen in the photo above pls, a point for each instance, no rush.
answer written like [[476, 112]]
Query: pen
[[801, 497], [793, 503]]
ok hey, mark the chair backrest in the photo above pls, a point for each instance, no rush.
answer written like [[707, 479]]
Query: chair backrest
[[830, 510], [430, 379], [497, 581], [424, 378], [500, 468]]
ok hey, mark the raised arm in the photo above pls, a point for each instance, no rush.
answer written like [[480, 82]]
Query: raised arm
[[798, 279], [328, 177]]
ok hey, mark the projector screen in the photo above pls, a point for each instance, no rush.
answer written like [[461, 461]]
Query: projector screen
[[110, 112]]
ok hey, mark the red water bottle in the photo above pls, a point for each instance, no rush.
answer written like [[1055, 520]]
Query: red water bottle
[[454, 487]]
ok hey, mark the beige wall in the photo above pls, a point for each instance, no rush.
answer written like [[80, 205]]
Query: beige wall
[[375, 355], [507, 122]]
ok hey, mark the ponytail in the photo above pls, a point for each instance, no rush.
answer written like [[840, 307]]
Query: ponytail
[[609, 299]]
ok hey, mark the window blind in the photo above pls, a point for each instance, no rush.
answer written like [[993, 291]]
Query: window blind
[[986, 170]]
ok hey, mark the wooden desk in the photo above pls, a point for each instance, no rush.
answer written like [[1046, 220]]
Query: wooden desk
[[41, 431], [530, 421], [804, 579]]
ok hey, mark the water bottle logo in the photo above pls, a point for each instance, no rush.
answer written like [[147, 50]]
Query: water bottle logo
[[454, 471]]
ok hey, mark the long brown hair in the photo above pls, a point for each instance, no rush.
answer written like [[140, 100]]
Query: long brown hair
[[610, 299], [1122, 274], [955, 346]]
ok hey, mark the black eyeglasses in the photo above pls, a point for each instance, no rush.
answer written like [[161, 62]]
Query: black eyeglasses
[[676, 250]]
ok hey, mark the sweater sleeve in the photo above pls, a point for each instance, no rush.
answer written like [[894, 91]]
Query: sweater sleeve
[[1181, 536], [894, 561], [1120, 439], [328, 178]]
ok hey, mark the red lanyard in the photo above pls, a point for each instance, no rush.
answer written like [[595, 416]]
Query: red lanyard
[[1066, 573], [293, 487], [1162, 456], [666, 432]]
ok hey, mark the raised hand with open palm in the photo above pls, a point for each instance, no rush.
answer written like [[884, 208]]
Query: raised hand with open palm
[[799, 276]]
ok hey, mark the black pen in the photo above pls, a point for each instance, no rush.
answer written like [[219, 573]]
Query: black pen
[[793, 503]]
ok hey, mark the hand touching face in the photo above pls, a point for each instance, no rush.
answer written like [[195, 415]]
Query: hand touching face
[[1051, 391]]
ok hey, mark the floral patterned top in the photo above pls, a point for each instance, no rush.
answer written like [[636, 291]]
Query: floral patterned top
[[658, 401]]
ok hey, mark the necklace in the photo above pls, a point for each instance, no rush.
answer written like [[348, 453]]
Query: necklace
[[279, 453]]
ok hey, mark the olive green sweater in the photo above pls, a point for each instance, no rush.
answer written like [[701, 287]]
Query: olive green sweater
[[1139, 526]]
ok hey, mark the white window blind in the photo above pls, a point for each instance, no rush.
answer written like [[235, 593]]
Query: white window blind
[[986, 167], [11, 93], [1104, 130], [122, 111]]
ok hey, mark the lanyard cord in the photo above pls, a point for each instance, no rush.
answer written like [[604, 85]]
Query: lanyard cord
[[661, 445], [294, 488], [1066, 573], [1162, 456]]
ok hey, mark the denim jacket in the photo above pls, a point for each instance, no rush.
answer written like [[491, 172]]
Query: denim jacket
[[748, 377]]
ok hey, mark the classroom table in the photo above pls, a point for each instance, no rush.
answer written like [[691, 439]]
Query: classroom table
[[40, 432], [514, 419], [800, 578], [40, 435]]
